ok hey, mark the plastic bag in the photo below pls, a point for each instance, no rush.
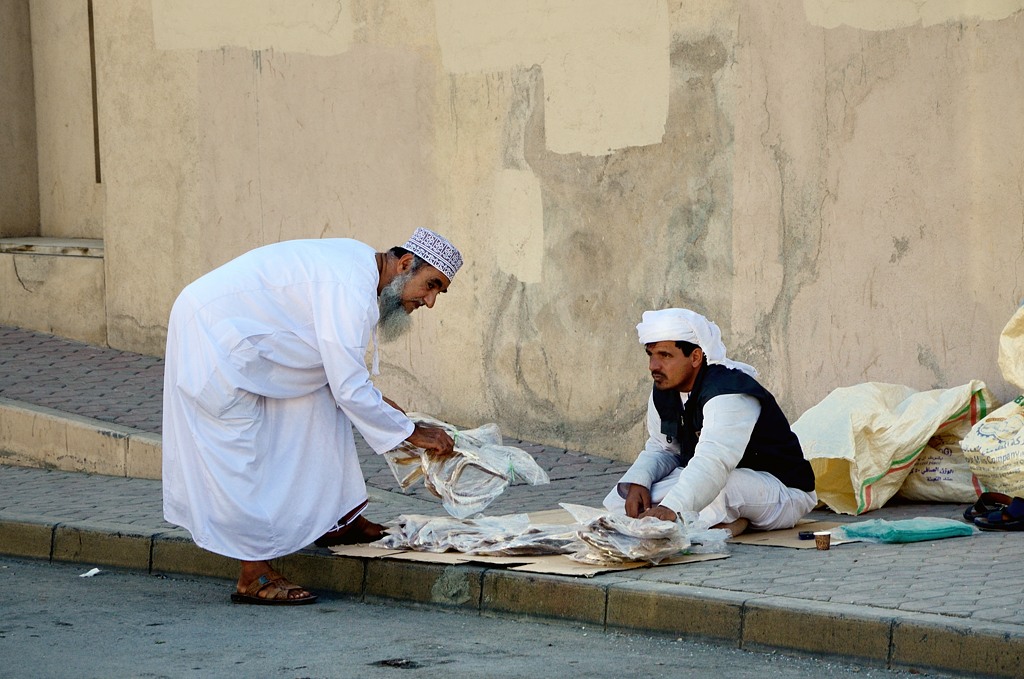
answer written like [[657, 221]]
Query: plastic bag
[[703, 538], [596, 536], [474, 477], [1011, 349], [508, 535], [606, 538], [904, 530], [941, 472], [994, 449], [862, 441], [442, 534]]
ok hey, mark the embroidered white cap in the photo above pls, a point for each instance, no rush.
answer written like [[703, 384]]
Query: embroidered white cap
[[435, 250]]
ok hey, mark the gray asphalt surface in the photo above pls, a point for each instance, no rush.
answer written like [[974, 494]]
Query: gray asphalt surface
[[54, 623]]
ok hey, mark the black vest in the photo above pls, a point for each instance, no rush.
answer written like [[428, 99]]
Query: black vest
[[773, 447]]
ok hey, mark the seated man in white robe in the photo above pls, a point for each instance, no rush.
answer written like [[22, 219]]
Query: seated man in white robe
[[265, 377], [718, 443]]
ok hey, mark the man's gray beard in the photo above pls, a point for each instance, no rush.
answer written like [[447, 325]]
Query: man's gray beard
[[394, 320]]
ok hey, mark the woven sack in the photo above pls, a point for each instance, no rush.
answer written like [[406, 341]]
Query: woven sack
[[994, 449]]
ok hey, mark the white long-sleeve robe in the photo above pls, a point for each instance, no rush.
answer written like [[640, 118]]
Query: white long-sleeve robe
[[711, 483], [264, 377], [728, 422]]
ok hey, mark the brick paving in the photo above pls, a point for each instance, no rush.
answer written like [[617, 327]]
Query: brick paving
[[976, 579], [111, 386], [124, 388]]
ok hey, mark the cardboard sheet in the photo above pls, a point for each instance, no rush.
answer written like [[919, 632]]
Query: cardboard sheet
[[563, 565], [789, 537], [555, 564]]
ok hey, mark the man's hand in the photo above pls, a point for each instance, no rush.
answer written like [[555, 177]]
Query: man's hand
[[433, 440], [393, 404], [638, 500], [660, 512]]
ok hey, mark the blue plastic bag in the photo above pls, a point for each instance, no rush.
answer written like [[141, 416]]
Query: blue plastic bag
[[904, 530]]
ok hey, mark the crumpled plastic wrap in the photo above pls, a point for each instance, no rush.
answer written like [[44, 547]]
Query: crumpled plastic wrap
[[605, 538], [508, 535], [596, 537], [703, 538], [467, 482]]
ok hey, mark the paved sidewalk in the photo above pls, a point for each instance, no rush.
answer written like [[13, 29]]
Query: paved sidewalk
[[950, 605]]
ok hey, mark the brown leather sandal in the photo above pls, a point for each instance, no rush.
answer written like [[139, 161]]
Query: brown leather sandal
[[278, 596]]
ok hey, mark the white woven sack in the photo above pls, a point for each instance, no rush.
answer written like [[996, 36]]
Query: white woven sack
[[995, 449]]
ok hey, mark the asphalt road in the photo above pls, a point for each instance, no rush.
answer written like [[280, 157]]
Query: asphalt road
[[54, 623]]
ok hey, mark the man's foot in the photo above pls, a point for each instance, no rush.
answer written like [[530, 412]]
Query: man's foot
[[360, 531], [736, 527], [261, 585]]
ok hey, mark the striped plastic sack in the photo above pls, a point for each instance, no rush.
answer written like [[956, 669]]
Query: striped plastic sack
[[863, 441], [994, 449], [941, 472]]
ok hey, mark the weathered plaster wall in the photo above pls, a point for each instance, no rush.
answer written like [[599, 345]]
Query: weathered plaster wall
[[878, 208], [581, 242], [73, 284], [155, 234], [19, 170], [71, 200], [838, 184], [884, 15]]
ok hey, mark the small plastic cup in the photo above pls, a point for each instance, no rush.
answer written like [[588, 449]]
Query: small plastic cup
[[822, 539]]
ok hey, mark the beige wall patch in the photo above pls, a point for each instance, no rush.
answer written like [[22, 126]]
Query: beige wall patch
[[605, 63], [518, 216], [883, 15], [319, 27]]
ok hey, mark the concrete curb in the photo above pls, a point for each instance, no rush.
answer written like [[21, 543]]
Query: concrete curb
[[36, 436], [862, 634]]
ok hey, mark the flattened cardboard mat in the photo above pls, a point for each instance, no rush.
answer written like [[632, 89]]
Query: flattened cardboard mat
[[790, 537], [556, 564]]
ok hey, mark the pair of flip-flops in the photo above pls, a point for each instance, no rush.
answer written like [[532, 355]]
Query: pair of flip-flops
[[997, 511]]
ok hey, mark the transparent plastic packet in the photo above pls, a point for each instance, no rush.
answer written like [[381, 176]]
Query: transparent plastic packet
[[598, 537], [467, 482], [534, 541], [507, 535], [703, 538], [419, 533], [609, 538]]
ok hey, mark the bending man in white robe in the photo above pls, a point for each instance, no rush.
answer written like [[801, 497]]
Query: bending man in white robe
[[264, 378]]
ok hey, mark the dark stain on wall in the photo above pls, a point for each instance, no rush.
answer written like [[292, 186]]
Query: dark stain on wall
[[639, 228]]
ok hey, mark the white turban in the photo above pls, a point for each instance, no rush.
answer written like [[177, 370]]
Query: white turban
[[688, 326]]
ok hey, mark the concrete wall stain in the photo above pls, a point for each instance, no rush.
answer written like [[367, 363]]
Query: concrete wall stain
[[663, 210]]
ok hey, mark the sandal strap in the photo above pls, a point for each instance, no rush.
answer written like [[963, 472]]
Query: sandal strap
[[264, 581]]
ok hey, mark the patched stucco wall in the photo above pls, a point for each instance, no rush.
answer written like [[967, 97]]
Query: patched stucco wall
[[70, 199], [71, 283], [19, 168], [840, 185], [879, 223]]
